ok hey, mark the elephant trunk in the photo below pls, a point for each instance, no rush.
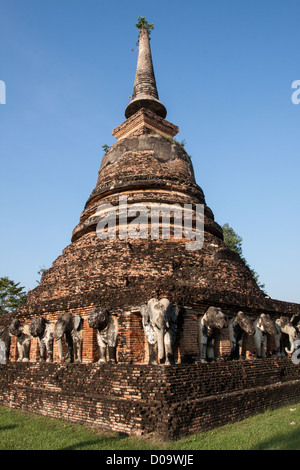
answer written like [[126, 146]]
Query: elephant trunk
[[160, 333], [60, 348], [291, 339]]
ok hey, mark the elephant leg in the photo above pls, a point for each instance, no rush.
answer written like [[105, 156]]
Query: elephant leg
[[237, 343], [77, 341], [77, 352], [258, 342], [112, 358], [264, 346], [278, 342], [203, 343], [60, 349], [42, 347], [20, 351], [169, 355], [69, 342], [282, 348], [102, 348], [26, 349], [233, 350], [49, 348], [210, 350], [203, 351], [239, 348], [153, 353], [169, 341], [7, 350], [102, 354]]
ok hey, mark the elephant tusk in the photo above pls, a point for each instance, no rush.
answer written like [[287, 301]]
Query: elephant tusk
[[290, 351]]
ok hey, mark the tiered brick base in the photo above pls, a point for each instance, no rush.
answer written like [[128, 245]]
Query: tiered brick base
[[168, 402]]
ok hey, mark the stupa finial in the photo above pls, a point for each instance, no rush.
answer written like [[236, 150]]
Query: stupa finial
[[145, 93]]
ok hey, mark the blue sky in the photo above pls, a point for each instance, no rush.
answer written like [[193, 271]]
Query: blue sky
[[224, 71]]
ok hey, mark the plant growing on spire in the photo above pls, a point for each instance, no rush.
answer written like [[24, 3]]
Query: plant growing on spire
[[143, 24], [105, 148]]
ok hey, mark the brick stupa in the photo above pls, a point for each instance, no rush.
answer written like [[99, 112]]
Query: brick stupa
[[147, 166]]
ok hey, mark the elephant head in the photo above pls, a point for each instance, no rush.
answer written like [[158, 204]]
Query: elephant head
[[239, 325], [159, 319], [15, 328], [266, 324], [43, 330], [107, 330], [21, 331], [70, 327], [98, 318], [37, 327], [213, 319], [245, 323], [287, 328]]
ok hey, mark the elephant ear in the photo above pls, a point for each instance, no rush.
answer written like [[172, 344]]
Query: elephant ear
[[145, 314], [174, 312], [77, 322]]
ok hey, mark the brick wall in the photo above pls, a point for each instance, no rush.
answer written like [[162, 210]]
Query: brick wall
[[140, 399]]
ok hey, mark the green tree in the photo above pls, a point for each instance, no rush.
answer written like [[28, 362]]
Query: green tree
[[234, 242], [12, 295], [232, 239]]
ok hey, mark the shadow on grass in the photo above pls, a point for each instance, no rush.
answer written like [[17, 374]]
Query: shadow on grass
[[96, 443], [11, 426], [287, 441]]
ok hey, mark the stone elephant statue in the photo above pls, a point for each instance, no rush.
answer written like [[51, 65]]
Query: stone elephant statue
[[44, 331], [295, 321], [21, 331], [160, 321], [264, 326], [212, 321], [238, 326], [5, 340], [284, 327], [107, 331], [70, 327]]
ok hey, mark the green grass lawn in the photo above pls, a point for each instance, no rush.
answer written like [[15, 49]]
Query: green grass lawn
[[273, 430]]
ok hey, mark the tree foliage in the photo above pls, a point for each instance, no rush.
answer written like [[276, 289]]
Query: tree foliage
[[234, 242], [232, 239], [12, 295]]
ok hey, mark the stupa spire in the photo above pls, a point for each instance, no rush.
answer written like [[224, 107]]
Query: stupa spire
[[145, 93]]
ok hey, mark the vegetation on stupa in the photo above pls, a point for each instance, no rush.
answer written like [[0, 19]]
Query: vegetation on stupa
[[143, 24]]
